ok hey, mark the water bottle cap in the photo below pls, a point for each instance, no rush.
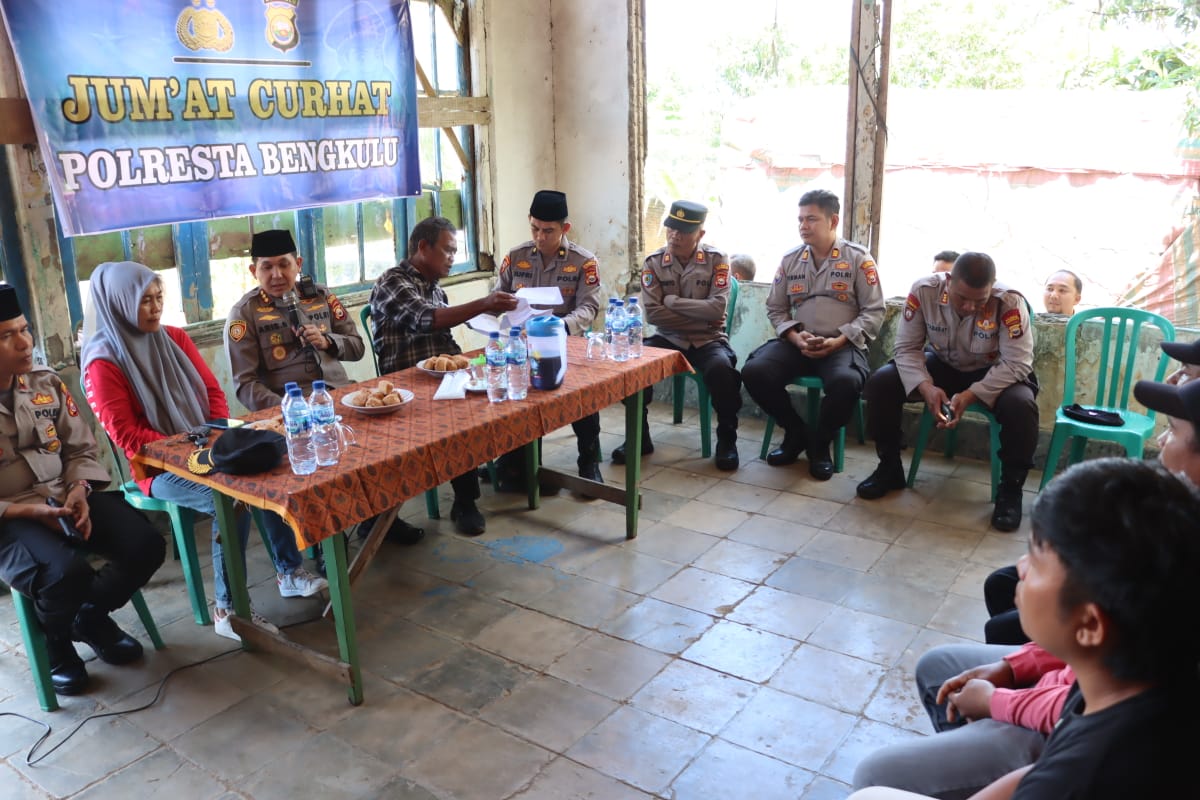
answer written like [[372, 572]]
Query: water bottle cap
[[494, 335], [619, 303], [295, 392], [318, 386], [515, 331], [633, 301], [287, 387]]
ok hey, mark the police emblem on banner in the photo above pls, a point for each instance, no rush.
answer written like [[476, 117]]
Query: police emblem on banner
[[281, 30], [203, 27]]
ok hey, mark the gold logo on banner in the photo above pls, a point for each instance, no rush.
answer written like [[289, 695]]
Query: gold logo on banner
[[203, 27], [281, 29]]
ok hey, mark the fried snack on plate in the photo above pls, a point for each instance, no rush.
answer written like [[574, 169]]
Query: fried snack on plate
[[391, 399], [386, 386]]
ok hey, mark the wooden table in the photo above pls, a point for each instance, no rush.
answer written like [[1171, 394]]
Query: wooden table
[[399, 456]]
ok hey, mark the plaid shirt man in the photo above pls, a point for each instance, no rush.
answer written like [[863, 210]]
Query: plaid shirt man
[[402, 305]]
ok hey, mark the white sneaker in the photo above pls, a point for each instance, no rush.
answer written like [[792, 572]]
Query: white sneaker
[[223, 627], [300, 583]]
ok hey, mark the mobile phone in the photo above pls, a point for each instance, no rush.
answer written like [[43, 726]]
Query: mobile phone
[[68, 527], [224, 424], [947, 412]]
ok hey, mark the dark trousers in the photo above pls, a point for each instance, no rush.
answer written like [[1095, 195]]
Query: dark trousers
[[1000, 593], [774, 365], [587, 435], [42, 564], [466, 486], [1016, 409], [717, 364]]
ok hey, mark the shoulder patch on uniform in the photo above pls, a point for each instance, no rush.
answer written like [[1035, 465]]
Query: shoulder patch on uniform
[[237, 330], [504, 265], [721, 275], [335, 306], [647, 278], [1012, 321], [72, 409], [911, 304], [869, 272], [591, 273]]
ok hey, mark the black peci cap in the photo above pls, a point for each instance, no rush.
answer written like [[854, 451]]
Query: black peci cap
[[266, 244], [10, 304], [549, 206]]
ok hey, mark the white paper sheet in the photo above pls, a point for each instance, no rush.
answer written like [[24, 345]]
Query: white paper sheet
[[541, 295], [454, 386]]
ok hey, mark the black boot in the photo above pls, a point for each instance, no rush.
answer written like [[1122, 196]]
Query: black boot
[[67, 673], [589, 458], [888, 476], [98, 631], [467, 518], [726, 457], [820, 463], [793, 444], [1007, 514], [618, 453]]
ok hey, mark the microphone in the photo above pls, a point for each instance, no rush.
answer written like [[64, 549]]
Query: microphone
[[291, 305]]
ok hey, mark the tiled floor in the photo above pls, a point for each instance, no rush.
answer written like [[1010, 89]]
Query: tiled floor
[[754, 641]]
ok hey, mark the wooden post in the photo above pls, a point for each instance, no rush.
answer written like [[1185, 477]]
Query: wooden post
[[866, 130]]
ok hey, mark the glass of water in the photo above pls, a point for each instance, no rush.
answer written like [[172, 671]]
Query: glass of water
[[597, 348]]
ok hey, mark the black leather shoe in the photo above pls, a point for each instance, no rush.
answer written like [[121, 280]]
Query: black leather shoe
[[401, 532], [820, 463], [789, 449], [1006, 516], [98, 631], [888, 476], [467, 518], [68, 676], [618, 454], [726, 457], [591, 471]]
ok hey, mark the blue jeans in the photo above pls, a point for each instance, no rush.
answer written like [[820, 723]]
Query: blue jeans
[[181, 491]]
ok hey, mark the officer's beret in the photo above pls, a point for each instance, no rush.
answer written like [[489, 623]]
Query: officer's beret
[[10, 305], [549, 206], [239, 451], [685, 216], [266, 244]]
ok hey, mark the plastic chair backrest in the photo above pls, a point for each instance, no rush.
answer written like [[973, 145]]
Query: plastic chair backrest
[[733, 296], [369, 329], [1118, 353]]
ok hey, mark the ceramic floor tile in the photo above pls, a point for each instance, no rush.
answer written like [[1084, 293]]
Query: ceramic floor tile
[[264, 730], [867, 737], [969, 582], [703, 591], [841, 550], [781, 612], [162, 775], [823, 788], [630, 570], [14, 787], [548, 712], [373, 728], [695, 696], [742, 651], [639, 748], [531, 638], [671, 542], [814, 579], [294, 775], [961, 616], [841, 488], [829, 678], [799, 732], [460, 613], [801, 509], [869, 523], [866, 636], [679, 482], [660, 626], [924, 570], [519, 583], [771, 533], [101, 747], [939, 540], [656, 506], [705, 517], [448, 557], [563, 779], [400, 650], [893, 598], [609, 666], [468, 680], [759, 473], [739, 495], [584, 602], [896, 703], [727, 772], [925, 641], [738, 560], [999, 550]]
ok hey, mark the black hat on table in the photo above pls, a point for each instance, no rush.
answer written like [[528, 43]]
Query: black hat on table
[[1184, 352], [10, 304], [266, 244], [1181, 402], [685, 216], [549, 206], [239, 451]]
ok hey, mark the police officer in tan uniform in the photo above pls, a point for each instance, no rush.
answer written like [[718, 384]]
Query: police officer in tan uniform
[[276, 333], [826, 305], [549, 259], [48, 453], [685, 288], [981, 350]]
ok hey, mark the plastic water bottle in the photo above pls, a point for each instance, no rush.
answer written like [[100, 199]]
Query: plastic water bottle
[[620, 332], [633, 313], [297, 422], [325, 432], [612, 303], [517, 355], [497, 366]]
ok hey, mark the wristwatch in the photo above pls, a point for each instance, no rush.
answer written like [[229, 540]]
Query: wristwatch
[[87, 486]]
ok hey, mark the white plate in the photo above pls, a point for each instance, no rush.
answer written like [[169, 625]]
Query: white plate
[[472, 386], [439, 373], [376, 411]]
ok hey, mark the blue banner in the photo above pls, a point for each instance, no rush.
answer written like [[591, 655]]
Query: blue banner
[[158, 111]]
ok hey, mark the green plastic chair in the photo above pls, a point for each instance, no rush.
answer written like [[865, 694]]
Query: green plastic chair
[[814, 386], [35, 643], [1119, 351], [703, 401], [432, 506], [926, 427]]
